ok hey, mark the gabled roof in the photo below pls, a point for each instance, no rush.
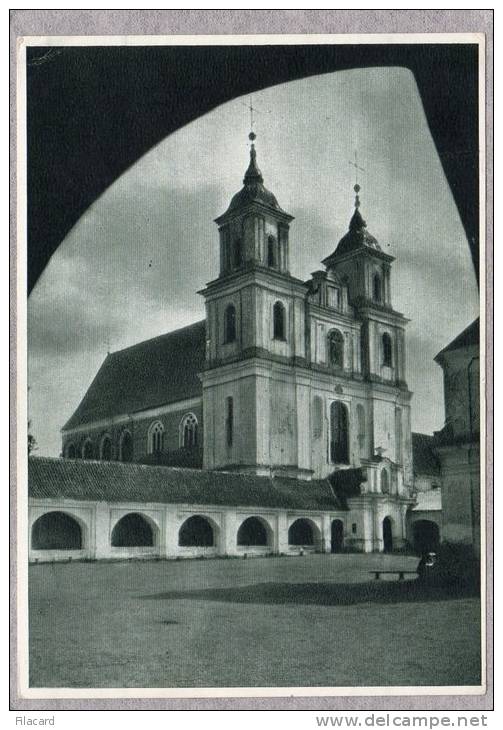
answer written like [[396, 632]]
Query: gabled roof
[[152, 373], [468, 337], [75, 479], [424, 459]]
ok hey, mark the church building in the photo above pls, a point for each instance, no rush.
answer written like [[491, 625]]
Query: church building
[[287, 405]]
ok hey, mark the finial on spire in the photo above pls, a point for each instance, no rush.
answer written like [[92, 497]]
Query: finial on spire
[[357, 197]]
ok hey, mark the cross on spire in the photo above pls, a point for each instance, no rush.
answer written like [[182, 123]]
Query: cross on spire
[[251, 109], [356, 166]]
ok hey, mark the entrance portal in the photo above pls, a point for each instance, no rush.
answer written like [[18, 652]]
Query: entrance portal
[[337, 536], [387, 535]]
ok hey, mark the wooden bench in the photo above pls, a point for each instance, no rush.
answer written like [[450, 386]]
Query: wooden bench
[[401, 573]]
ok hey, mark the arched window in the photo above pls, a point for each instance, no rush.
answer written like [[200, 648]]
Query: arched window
[[339, 433], [377, 288], [336, 349], [398, 434], [279, 321], [188, 431], [387, 350], [155, 438], [196, 532], [360, 416], [56, 531], [384, 482], [230, 324], [71, 452], [271, 251], [132, 530], [238, 253], [253, 532], [317, 417], [87, 449], [106, 448], [126, 447]]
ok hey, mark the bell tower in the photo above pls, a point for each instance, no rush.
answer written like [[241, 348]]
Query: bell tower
[[255, 315]]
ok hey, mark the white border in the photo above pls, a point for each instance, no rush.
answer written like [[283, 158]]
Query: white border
[[24, 690]]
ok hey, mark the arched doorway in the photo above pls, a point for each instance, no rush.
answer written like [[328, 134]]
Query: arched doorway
[[132, 530], [426, 536], [253, 532], [197, 531], [337, 536], [302, 533], [56, 531], [387, 535]]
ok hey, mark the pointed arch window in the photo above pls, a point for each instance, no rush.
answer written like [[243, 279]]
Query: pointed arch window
[[387, 350], [188, 431], [230, 324], [155, 438], [339, 433], [106, 448], [377, 288], [279, 321], [87, 449], [126, 447], [336, 349]]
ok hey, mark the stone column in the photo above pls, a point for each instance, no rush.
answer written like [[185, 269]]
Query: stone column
[[99, 547], [228, 534], [281, 537]]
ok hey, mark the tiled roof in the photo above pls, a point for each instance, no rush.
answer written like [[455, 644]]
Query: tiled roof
[[469, 336], [424, 458], [152, 373], [51, 478]]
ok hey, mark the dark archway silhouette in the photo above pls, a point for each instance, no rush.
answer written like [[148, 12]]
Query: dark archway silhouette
[[337, 536], [446, 77], [196, 532], [387, 535], [301, 532], [56, 531], [426, 536], [132, 530], [253, 532]]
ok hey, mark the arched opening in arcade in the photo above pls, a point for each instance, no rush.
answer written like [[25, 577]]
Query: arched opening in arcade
[[425, 536], [303, 533], [56, 531], [197, 531], [387, 534], [133, 530], [254, 532], [337, 536]]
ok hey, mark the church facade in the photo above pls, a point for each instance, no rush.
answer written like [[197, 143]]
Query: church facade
[[299, 385]]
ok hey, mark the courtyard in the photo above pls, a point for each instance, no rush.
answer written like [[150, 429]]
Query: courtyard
[[315, 620]]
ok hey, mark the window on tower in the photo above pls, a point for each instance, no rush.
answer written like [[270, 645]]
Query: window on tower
[[271, 252], [279, 321], [377, 288], [336, 349], [334, 297], [387, 350], [238, 253], [230, 324]]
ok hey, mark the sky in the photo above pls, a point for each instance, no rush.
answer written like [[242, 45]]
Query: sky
[[130, 269]]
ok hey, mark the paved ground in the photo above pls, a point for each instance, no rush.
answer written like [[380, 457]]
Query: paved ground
[[317, 620]]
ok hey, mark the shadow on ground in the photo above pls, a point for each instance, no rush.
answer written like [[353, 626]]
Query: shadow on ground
[[323, 594]]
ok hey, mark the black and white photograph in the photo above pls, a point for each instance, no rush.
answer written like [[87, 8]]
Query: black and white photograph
[[255, 335]]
